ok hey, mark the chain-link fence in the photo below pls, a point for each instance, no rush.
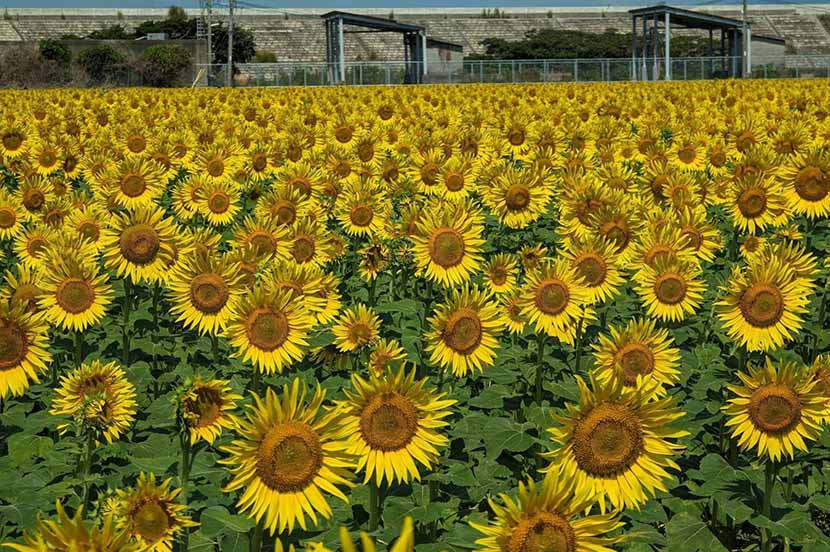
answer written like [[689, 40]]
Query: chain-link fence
[[513, 71]]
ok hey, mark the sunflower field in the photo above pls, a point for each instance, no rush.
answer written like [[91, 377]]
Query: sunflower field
[[542, 318]]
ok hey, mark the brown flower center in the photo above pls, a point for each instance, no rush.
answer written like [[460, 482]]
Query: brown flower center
[[462, 332], [717, 159], [343, 133], [657, 251], [687, 154], [151, 521], [429, 174], [140, 244], [303, 249], [13, 345], [542, 532], [592, 268], [762, 305], [517, 198], [215, 167], [8, 217], [259, 162], [635, 359], [219, 202], [616, 232], [133, 185], [365, 151], [47, 159], [752, 202], [516, 136], [208, 293], [498, 275], [207, 407], [75, 295], [811, 184], [607, 440], [12, 141], [552, 296], [774, 408], [262, 242], [454, 181], [284, 211], [360, 333], [267, 329], [33, 199], [361, 215], [89, 229], [694, 238], [289, 457], [388, 422], [670, 288], [36, 245], [446, 247], [136, 143]]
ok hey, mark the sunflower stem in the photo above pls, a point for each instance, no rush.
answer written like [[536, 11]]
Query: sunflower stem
[[578, 350], [374, 506], [79, 347], [372, 290], [184, 476], [214, 348], [256, 537], [540, 367], [769, 483], [86, 466], [255, 381], [125, 337]]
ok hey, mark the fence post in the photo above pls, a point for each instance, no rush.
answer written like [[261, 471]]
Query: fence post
[[388, 76], [481, 71], [545, 71], [513, 72], [576, 71], [685, 69], [797, 72]]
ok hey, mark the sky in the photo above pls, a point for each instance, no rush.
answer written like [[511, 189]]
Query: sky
[[356, 4]]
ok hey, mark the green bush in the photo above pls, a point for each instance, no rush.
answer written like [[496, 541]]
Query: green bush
[[160, 65], [56, 51], [101, 62]]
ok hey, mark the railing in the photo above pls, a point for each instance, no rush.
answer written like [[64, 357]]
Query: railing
[[514, 71]]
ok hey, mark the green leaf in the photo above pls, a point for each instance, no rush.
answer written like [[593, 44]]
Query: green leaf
[[501, 434], [687, 533], [217, 519]]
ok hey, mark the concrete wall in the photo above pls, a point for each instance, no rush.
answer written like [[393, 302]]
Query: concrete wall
[[441, 61]]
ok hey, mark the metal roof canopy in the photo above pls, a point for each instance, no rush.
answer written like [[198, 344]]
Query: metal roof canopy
[[731, 40], [414, 42]]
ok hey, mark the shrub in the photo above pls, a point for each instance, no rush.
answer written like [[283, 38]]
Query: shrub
[[162, 64], [101, 62], [26, 68], [56, 51]]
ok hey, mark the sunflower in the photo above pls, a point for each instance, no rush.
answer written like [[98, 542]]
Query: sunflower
[[138, 245], [205, 291], [512, 307], [206, 406], [671, 290], [217, 162], [638, 351], [756, 201], [405, 541], [135, 182], [518, 196], [75, 295], [32, 195], [615, 444], [310, 242], [688, 152], [286, 204], [362, 209], [702, 237], [392, 421], [776, 409], [98, 396], [387, 353], [500, 273], [464, 334], [14, 140], [457, 177], [45, 156], [24, 348], [72, 533], [301, 177], [11, 216], [219, 201], [287, 453], [21, 289], [356, 328], [617, 223], [447, 246], [88, 223], [806, 179], [547, 516], [150, 513], [266, 239], [305, 281], [662, 241], [595, 264], [374, 258], [425, 170], [270, 328], [763, 306], [553, 300]]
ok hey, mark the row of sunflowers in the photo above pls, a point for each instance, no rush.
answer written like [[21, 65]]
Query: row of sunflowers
[[577, 318]]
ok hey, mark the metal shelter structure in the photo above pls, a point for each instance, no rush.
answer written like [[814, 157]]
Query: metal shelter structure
[[338, 24], [654, 18]]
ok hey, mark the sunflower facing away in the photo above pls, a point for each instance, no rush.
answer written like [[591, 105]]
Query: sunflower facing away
[[638, 350], [270, 328], [206, 407], [547, 517], [150, 513], [763, 305], [288, 453], [99, 396], [615, 444], [356, 328], [777, 408], [553, 300], [464, 334], [24, 349], [447, 247], [393, 423]]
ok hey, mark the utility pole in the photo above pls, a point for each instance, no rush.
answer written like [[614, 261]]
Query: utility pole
[[209, 36], [229, 76], [744, 42]]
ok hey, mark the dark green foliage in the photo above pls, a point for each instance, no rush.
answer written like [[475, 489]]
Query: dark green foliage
[[160, 65], [264, 57], [54, 50], [101, 62], [243, 45]]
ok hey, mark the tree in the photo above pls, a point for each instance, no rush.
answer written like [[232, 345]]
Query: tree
[[243, 45], [177, 25], [56, 51], [162, 64], [101, 62]]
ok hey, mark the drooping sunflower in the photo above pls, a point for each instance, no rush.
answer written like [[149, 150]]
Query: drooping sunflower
[[393, 422], [134, 182], [355, 328], [75, 295], [374, 258], [763, 305], [288, 453], [24, 348], [387, 353], [139, 245], [518, 196], [500, 273], [464, 332], [615, 444], [206, 407], [777, 409], [547, 516], [806, 179], [72, 533], [553, 300], [150, 513], [637, 350], [756, 201], [21, 289], [595, 263], [98, 396], [270, 328], [446, 247], [671, 290], [205, 291]]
